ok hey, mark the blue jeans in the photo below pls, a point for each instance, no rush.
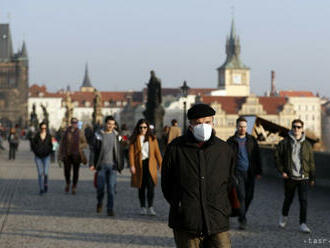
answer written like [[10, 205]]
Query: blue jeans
[[106, 177], [42, 167]]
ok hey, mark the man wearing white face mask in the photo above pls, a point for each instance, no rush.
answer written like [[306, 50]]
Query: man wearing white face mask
[[196, 172]]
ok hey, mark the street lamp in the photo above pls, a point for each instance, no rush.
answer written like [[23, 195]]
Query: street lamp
[[184, 89]]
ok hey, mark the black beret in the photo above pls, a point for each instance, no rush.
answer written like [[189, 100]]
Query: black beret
[[199, 111]]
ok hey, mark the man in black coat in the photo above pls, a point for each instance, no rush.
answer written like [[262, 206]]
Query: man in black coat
[[248, 166], [196, 172]]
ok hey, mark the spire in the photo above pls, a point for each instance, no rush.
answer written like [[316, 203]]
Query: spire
[[24, 51], [6, 46], [232, 30], [86, 81], [233, 50]]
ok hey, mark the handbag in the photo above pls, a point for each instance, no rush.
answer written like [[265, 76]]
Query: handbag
[[95, 179]]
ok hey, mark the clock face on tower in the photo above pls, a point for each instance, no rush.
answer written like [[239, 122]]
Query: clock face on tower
[[237, 79]]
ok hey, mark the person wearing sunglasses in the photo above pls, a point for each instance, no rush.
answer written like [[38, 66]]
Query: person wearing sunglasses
[[145, 159], [71, 153], [42, 147], [295, 162]]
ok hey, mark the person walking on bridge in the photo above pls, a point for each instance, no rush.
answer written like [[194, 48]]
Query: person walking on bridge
[[196, 173], [42, 148], [295, 161], [13, 140], [71, 153], [174, 131], [145, 160], [248, 167], [106, 157]]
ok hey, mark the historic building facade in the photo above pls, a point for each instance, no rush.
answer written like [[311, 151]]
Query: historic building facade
[[14, 81], [228, 108], [308, 109]]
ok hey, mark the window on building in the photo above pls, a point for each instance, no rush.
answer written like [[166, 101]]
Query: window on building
[[231, 123]]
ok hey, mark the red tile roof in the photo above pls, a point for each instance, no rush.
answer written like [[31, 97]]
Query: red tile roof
[[272, 104], [82, 97], [41, 91], [293, 93], [232, 104]]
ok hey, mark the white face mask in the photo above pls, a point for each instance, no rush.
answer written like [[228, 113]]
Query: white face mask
[[202, 132]]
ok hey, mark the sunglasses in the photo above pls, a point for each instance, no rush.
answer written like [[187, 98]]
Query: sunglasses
[[74, 122], [296, 127], [143, 127]]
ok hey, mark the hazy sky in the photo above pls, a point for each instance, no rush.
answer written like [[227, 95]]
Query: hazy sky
[[122, 40]]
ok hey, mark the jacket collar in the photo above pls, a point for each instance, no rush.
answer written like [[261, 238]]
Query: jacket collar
[[233, 138], [302, 139]]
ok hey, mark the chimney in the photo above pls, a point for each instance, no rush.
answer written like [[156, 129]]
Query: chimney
[[272, 87]]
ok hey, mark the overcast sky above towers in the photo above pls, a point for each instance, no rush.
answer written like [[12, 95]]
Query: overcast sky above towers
[[179, 39]]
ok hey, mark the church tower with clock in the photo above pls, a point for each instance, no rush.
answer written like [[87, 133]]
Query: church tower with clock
[[233, 75]]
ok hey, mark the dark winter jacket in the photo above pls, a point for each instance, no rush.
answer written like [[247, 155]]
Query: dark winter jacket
[[283, 158], [252, 148], [96, 152], [195, 182], [42, 148]]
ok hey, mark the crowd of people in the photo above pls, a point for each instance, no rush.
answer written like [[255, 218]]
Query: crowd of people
[[198, 170]]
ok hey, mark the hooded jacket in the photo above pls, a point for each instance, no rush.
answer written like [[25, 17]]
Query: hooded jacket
[[285, 163], [195, 182]]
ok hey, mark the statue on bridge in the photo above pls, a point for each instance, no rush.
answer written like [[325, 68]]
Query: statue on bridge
[[34, 122], [68, 110], [154, 112], [46, 115], [97, 113]]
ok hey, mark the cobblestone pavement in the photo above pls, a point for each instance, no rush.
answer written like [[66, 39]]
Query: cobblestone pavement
[[64, 220]]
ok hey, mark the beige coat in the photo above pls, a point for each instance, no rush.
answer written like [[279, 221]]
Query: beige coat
[[135, 159], [173, 133]]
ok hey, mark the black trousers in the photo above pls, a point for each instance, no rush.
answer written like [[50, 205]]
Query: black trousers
[[12, 151], [289, 190], [245, 191], [71, 161], [187, 240], [147, 184]]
